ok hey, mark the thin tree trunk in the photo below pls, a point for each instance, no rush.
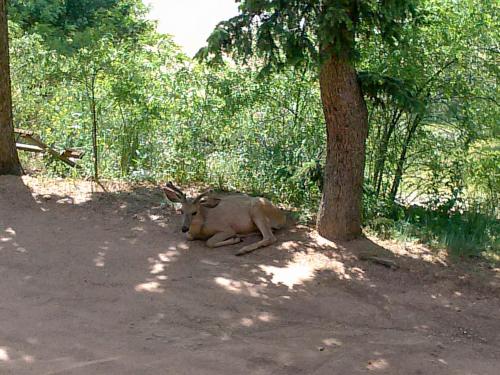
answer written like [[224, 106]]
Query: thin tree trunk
[[9, 160], [398, 176], [125, 145], [346, 118], [94, 128], [372, 167], [382, 151]]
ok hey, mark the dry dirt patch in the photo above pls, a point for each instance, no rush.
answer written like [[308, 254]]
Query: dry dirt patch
[[104, 283]]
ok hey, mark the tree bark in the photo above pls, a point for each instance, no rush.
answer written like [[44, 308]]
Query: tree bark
[[9, 161], [346, 119]]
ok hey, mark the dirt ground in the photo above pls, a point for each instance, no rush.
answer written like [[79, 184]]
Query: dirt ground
[[105, 283]]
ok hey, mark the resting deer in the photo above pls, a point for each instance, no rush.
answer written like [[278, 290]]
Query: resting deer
[[222, 219]]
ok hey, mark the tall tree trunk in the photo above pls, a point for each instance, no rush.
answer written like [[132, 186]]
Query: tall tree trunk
[[346, 118], [9, 161]]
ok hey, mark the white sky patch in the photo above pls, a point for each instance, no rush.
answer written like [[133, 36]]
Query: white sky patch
[[190, 22]]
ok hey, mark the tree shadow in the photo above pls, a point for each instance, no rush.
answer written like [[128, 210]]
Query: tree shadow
[[116, 285], [306, 281]]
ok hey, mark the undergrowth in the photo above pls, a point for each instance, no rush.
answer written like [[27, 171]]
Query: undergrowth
[[464, 233]]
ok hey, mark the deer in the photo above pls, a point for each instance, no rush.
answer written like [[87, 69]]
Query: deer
[[223, 219]]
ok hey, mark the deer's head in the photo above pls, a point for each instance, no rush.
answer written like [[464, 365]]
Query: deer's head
[[191, 208]]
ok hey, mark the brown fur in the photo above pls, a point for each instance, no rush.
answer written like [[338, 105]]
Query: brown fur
[[222, 219]]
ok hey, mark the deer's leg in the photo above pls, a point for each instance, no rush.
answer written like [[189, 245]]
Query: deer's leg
[[262, 222], [222, 239]]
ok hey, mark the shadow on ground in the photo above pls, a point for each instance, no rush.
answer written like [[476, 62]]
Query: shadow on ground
[[104, 283]]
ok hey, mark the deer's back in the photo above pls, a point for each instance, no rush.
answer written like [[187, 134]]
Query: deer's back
[[235, 212]]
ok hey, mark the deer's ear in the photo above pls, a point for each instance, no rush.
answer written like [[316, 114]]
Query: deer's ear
[[172, 195], [210, 202]]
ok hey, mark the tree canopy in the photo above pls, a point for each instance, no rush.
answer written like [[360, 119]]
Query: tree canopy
[[282, 33], [72, 24]]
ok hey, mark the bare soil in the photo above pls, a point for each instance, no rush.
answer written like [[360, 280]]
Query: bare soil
[[97, 282]]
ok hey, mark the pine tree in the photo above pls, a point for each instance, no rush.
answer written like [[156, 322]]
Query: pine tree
[[323, 34]]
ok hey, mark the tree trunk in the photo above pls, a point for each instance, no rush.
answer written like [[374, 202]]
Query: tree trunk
[[382, 150], [346, 119], [9, 161], [93, 109], [398, 176]]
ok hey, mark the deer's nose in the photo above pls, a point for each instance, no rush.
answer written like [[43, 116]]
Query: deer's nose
[[185, 229]]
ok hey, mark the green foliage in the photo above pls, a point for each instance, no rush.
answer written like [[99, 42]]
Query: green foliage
[[297, 33], [430, 128], [437, 131], [73, 24], [380, 88]]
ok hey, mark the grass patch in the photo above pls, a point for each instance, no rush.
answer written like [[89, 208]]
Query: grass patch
[[463, 234]]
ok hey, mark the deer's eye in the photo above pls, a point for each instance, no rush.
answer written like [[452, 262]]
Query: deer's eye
[[194, 213]]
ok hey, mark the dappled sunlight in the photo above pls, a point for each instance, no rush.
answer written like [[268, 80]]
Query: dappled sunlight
[[294, 274], [332, 342], [28, 358], [304, 265], [10, 355], [150, 286], [182, 246], [138, 229], [74, 192], [266, 317], [422, 327], [99, 260], [157, 267], [322, 241], [240, 287], [10, 238], [303, 236], [263, 317], [166, 257], [247, 322], [65, 200], [412, 250], [378, 364], [4, 356]]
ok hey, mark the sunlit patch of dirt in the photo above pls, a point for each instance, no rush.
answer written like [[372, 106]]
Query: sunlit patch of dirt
[[241, 287], [413, 250], [378, 364], [304, 265]]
